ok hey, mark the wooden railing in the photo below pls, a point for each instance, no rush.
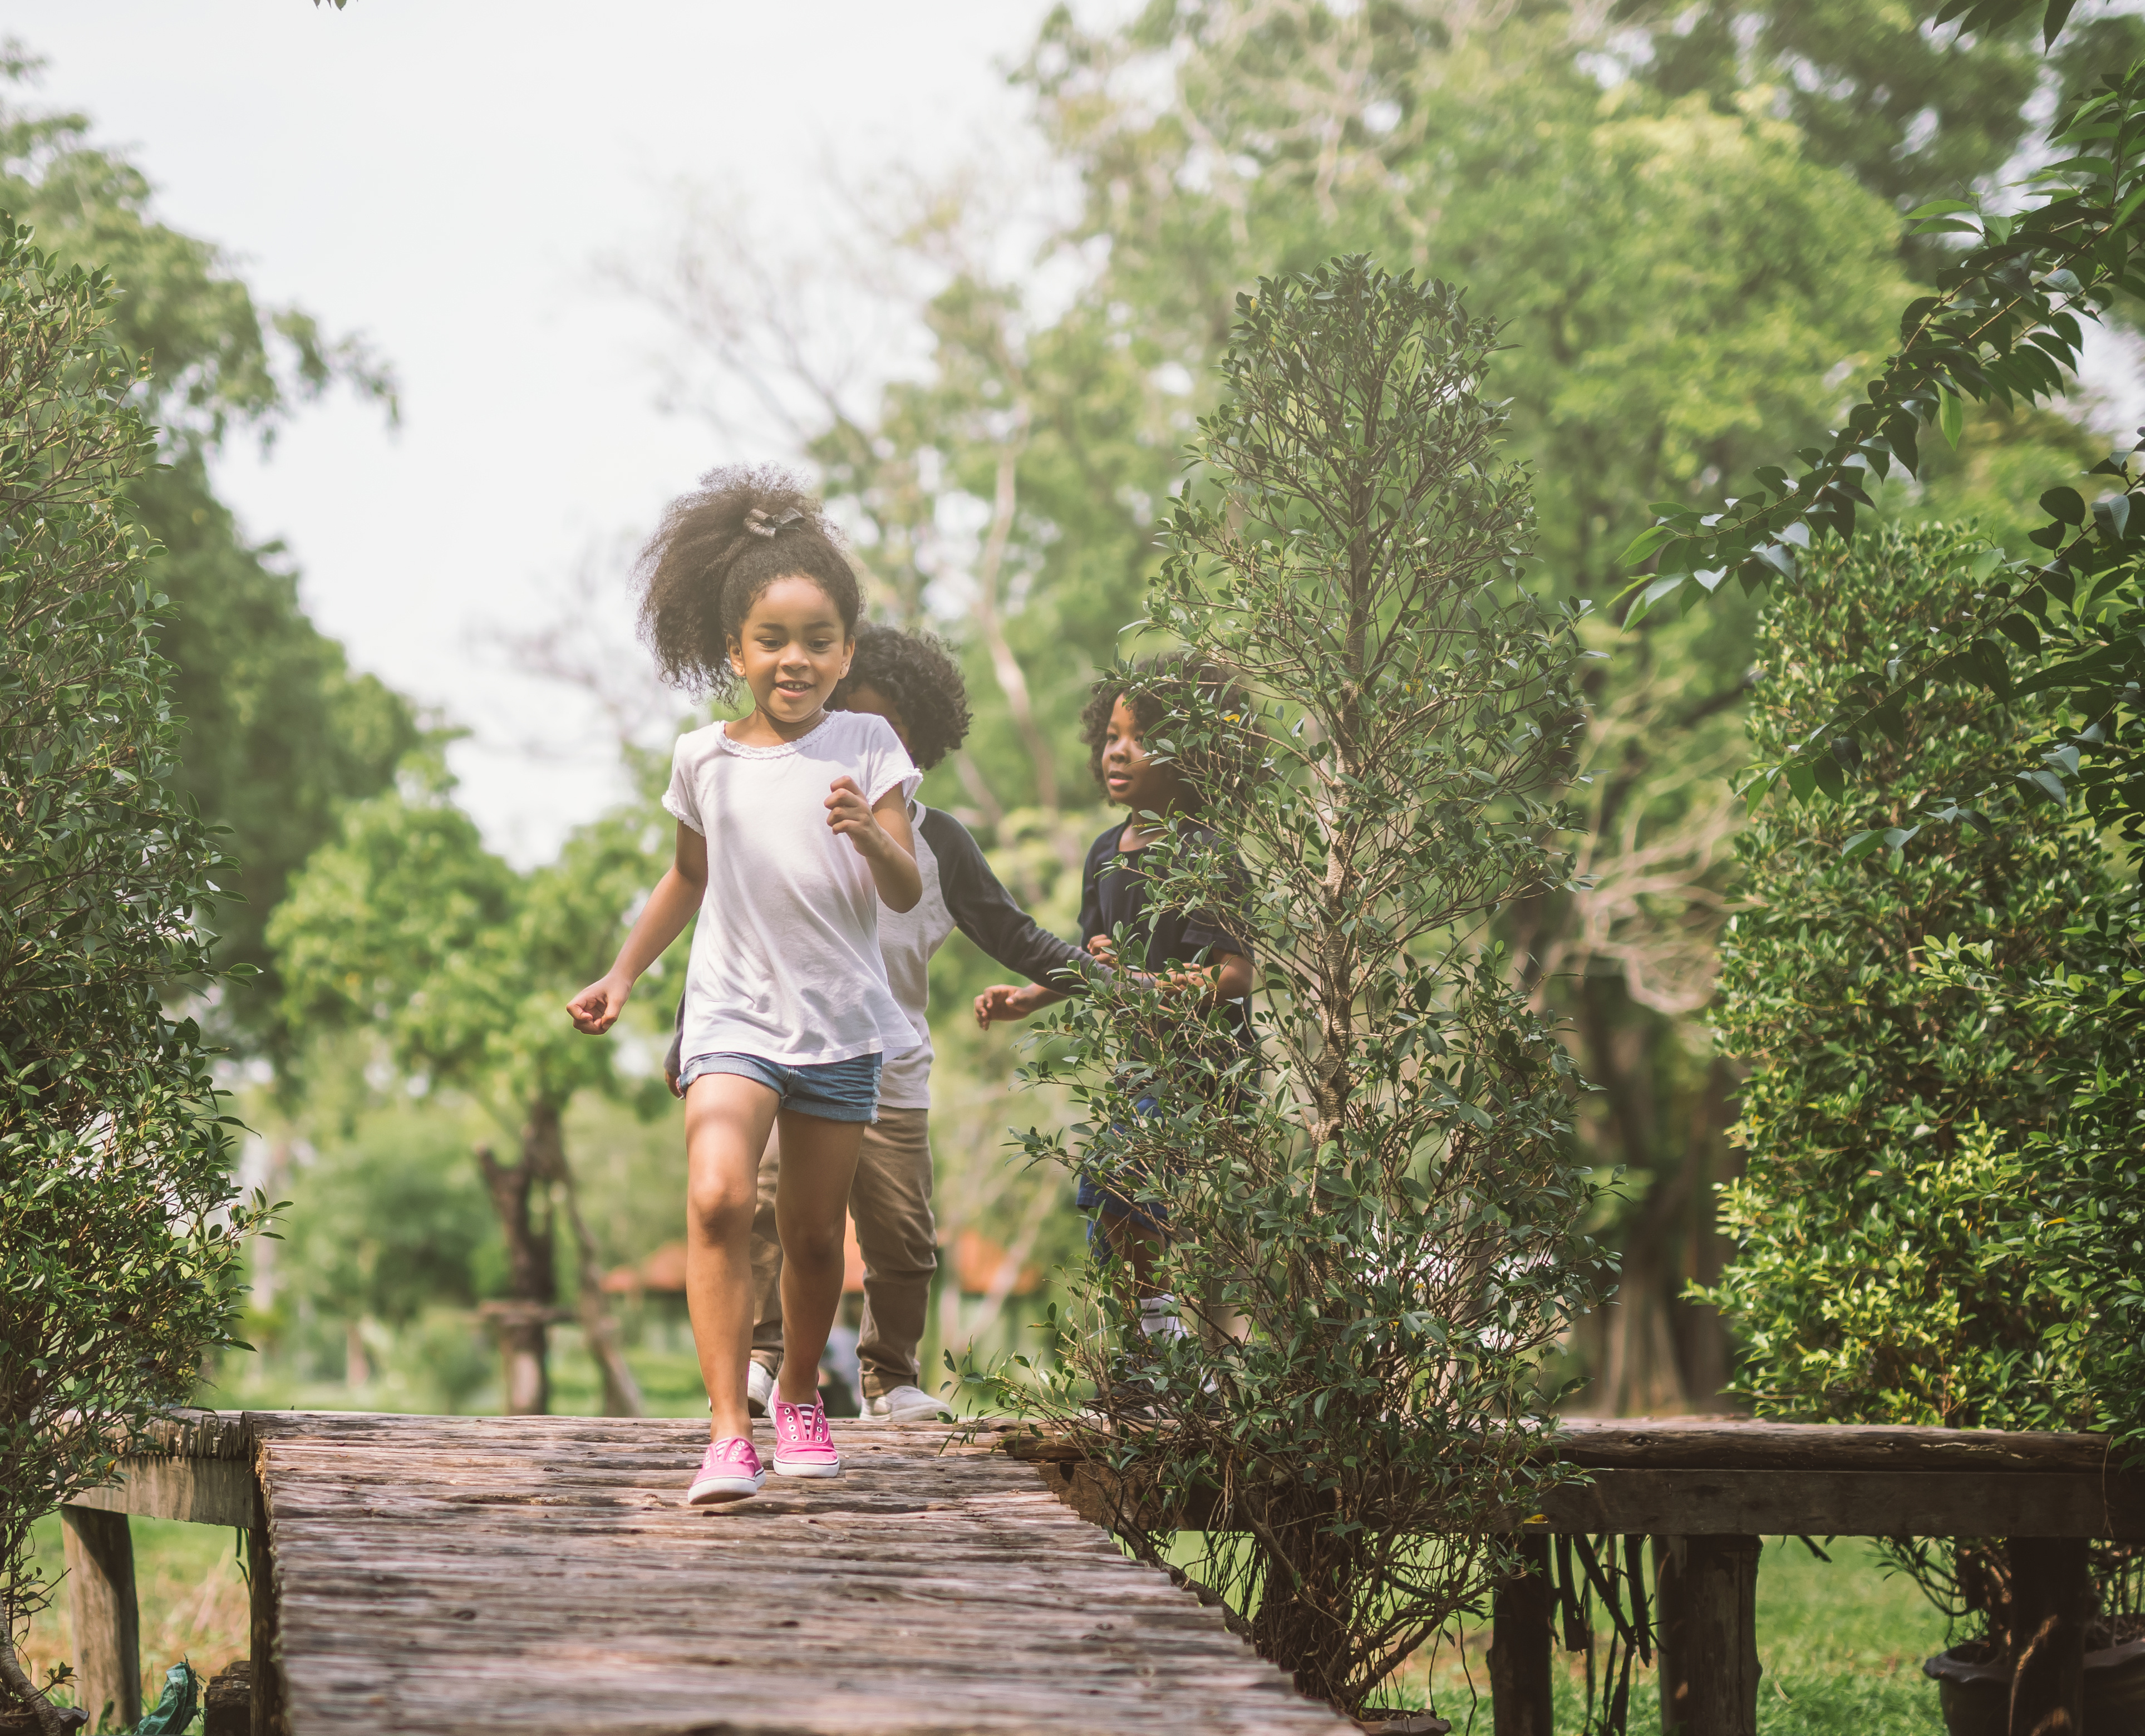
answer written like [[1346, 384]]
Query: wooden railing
[[1705, 1490]]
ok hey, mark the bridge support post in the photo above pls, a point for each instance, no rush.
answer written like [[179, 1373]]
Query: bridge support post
[[108, 1624], [268, 1719], [1519, 1640], [1706, 1591], [2052, 1598]]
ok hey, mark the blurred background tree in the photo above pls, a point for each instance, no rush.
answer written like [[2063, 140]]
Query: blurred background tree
[[408, 926], [1690, 219], [278, 730], [1691, 223]]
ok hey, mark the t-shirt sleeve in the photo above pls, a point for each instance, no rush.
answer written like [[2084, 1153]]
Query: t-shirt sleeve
[[883, 764], [984, 911], [682, 800]]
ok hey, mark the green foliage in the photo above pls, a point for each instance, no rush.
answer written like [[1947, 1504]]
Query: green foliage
[[1677, 278], [217, 360], [1912, 112], [1892, 1224], [120, 1259], [1937, 1223], [277, 732], [1386, 1212], [2002, 329], [407, 923], [394, 1222]]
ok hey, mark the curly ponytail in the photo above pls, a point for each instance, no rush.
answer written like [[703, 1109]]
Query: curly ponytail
[[716, 550]]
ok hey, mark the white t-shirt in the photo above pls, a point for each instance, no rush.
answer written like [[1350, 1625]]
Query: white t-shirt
[[906, 939], [786, 963]]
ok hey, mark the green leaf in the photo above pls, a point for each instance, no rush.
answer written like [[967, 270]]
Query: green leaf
[[1951, 417], [1645, 543], [2022, 632], [2066, 505]]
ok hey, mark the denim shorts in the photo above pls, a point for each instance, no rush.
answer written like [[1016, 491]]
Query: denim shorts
[[834, 1091]]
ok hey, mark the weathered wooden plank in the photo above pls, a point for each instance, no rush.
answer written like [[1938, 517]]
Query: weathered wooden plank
[[265, 1716], [1685, 1443], [99, 1551], [2051, 1601], [539, 1575], [1768, 1503], [1715, 1444], [207, 1491], [1849, 1504]]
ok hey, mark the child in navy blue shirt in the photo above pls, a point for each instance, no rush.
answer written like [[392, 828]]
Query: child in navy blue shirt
[[1193, 950]]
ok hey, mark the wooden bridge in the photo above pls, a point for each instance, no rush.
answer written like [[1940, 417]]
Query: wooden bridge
[[536, 1574]]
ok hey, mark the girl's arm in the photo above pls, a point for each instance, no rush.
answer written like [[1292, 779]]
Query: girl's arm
[[882, 839], [677, 895], [1013, 1001]]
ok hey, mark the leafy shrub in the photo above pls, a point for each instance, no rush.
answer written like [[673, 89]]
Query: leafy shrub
[[1938, 1154], [1376, 1218], [118, 1263]]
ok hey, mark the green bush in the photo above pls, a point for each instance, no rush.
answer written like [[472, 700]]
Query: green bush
[[119, 1253], [1931, 1177], [1378, 1219]]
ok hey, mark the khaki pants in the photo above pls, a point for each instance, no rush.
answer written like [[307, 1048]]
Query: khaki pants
[[891, 1200]]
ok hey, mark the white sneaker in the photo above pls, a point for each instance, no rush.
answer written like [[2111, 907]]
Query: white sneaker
[[758, 1388], [905, 1405]]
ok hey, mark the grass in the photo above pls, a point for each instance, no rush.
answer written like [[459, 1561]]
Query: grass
[[1841, 1645], [188, 1588]]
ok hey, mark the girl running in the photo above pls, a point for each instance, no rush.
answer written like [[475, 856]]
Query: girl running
[[793, 827]]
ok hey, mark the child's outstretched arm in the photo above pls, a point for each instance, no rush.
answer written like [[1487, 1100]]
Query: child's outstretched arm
[[1227, 977], [882, 839], [677, 895], [1007, 1000]]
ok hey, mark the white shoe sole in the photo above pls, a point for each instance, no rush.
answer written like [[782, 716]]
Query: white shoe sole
[[715, 1490], [814, 1470]]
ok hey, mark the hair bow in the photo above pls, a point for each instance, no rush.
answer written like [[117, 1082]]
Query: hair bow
[[762, 523]]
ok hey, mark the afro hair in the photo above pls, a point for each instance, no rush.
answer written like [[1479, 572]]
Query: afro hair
[[917, 674], [716, 551]]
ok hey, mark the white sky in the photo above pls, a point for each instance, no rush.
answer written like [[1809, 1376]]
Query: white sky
[[443, 175]]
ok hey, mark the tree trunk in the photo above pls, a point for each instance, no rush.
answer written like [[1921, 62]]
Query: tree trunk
[[520, 1322], [544, 1148], [23, 1691], [983, 613]]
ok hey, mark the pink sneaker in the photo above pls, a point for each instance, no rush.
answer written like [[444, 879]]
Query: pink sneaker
[[729, 1471], [802, 1448]]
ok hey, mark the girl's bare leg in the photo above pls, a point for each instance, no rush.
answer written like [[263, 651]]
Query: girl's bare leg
[[727, 1121], [811, 1203]]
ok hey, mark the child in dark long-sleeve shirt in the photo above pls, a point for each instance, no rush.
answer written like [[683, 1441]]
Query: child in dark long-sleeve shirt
[[1195, 950]]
